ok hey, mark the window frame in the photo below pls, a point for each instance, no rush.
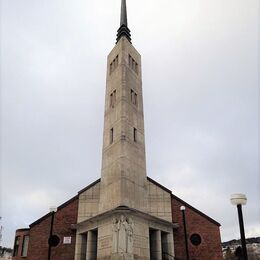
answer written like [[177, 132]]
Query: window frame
[[25, 249], [16, 245], [135, 135], [111, 135]]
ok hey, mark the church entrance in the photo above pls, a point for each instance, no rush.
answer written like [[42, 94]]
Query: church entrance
[[160, 245]]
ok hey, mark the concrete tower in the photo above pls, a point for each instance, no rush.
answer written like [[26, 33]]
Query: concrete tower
[[124, 215], [123, 179]]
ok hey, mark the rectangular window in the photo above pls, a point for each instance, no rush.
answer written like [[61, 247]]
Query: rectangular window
[[113, 64], [136, 68], [25, 245], [132, 64], [116, 61], [16, 246], [130, 61], [111, 135], [135, 135], [113, 98], [133, 97]]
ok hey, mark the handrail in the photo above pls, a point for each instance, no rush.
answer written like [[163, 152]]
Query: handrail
[[167, 256]]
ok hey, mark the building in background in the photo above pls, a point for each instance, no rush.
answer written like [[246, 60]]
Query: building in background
[[124, 214]]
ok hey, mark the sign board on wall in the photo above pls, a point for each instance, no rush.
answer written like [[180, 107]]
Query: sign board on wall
[[67, 240]]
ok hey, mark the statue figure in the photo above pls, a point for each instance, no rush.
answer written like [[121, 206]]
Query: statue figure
[[130, 239], [122, 235], [115, 236]]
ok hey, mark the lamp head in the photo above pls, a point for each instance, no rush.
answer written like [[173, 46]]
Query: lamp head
[[182, 208], [238, 199], [53, 209]]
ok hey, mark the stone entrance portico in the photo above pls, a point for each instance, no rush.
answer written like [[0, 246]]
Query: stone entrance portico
[[124, 233]]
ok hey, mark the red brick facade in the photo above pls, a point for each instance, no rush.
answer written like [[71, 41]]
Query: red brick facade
[[196, 223], [39, 232], [66, 217]]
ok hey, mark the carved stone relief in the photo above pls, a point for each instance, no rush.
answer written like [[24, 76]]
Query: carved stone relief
[[122, 238]]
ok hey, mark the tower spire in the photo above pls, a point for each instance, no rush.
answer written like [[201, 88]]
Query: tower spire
[[123, 29], [123, 20]]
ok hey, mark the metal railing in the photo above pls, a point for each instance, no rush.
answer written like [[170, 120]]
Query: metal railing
[[166, 256]]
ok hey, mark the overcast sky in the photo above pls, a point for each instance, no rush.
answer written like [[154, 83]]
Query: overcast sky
[[200, 61]]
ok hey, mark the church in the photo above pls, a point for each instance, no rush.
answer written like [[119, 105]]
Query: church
[[125, 214]]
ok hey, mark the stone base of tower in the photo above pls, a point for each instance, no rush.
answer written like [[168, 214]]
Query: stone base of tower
[[124, 234]]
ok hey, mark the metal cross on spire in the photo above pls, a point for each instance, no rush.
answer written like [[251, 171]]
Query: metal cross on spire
[[123, 29]]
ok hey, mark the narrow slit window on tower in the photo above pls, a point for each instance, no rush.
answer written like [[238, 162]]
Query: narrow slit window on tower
[[113, 64], [116, 61], [136, 67], [133, 97], [135, 134], [111, 135], [113, 99], [130, 61], [132, 64]]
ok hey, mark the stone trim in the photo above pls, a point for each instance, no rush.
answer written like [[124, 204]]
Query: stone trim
[[196, 210], [124, 210], [89, 186]]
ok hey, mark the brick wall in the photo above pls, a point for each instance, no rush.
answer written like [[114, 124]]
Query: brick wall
[[65, 216], [196, 222], [20, 233]]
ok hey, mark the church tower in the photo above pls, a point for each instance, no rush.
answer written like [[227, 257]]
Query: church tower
[[123, 178], [124, 215]]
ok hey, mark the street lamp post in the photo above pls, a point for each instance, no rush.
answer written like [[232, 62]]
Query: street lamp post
[[239, 200], [52, 210], [182, 208]]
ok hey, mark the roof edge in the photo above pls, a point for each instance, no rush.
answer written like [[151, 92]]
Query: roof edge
[[22, 229], [196, 210], [49, 214], [64, 204], [184, 202], [40, 219], [89, 186], [158, 184]]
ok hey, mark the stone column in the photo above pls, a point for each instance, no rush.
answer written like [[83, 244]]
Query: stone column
[[81, 244], [155, 245], [91, 245], [158, 245], [170, 243]]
